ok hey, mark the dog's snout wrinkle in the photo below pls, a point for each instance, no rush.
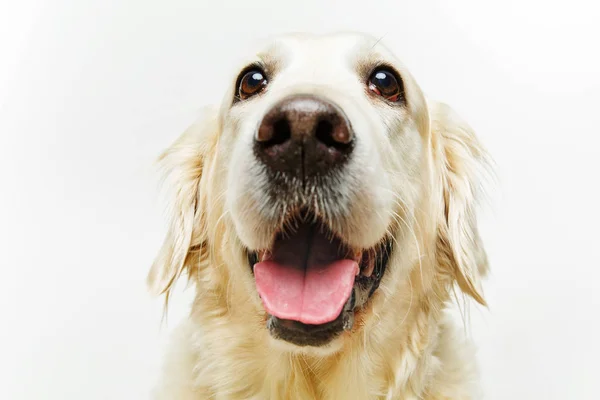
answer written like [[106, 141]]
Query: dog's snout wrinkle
[[304, 136]]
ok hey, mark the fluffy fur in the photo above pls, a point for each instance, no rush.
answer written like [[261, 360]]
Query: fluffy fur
[[416, 175]]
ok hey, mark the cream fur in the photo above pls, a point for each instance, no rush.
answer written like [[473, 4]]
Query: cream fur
[[426, 167]]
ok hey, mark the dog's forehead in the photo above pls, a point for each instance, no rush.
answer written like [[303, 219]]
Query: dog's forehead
[[337, 52], [323, 46]]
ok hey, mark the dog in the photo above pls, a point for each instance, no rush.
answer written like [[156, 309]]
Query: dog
[[325, 213]]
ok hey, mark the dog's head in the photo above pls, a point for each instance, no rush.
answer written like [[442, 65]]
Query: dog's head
[[318, 188]]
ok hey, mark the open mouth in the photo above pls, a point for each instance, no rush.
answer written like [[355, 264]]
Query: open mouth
[[311, 282]]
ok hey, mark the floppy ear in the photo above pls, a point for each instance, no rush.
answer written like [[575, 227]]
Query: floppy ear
[[182, 165], [459, 166]]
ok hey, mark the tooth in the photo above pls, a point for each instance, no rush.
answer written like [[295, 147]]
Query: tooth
[[370, 267], [264, 255]]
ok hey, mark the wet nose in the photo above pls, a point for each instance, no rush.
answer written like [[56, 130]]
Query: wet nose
[[304, 136]]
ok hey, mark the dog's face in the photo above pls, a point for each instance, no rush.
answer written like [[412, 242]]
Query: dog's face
[[326, 140], [311, 186]]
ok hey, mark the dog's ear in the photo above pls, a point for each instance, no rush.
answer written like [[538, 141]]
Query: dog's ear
[[460, 166], [183, 164]]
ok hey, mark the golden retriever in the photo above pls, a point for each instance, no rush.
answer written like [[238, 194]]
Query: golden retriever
[[325, 213]]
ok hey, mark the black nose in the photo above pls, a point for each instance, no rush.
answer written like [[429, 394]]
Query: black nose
[[304, 136]]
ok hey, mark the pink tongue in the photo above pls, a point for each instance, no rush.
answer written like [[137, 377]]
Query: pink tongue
[[315, 297], [305, 280]]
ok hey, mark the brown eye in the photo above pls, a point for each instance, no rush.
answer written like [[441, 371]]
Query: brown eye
[[384, 83], [253, 82]]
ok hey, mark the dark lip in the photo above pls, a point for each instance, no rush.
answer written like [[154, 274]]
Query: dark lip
[[318, 335], [306, 335]]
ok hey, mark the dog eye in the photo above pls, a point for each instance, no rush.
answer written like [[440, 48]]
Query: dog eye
[[253, 82], [384, 83]]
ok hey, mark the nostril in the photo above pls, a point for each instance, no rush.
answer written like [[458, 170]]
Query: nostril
[[324, 133], [332, 135], [282, 132], [274, 132]]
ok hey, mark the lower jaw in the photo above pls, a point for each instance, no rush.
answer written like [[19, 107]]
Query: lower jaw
[[303, 335]]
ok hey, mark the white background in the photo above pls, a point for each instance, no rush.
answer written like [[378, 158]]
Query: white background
[[92, 90]]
